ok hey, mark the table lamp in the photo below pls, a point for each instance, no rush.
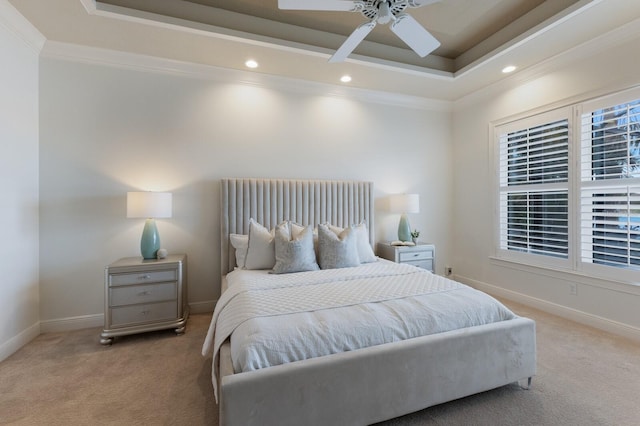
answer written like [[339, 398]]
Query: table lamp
[[403, 204], [149, 205]]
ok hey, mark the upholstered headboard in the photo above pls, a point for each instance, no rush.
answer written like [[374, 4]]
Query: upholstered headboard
[[307, 202]]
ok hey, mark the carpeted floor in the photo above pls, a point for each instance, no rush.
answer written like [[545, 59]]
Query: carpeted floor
[[585, 377]]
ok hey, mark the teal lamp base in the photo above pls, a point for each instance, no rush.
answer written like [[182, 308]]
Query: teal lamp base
[[150, 242], [404, 230]]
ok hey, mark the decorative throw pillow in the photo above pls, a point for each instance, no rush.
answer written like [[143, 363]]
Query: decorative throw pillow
[[260, 247], [296, 229], [294, 252], [337, 250], [240, 243], [365, 252]]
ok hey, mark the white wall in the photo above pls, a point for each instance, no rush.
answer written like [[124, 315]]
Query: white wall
[[604, 304], [19, 300], [108, 130], [105, 130]]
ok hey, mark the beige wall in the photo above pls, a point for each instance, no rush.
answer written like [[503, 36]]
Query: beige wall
[[108, 130], [19, 300]]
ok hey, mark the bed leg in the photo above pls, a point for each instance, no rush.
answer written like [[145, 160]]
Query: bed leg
[[525, 386]]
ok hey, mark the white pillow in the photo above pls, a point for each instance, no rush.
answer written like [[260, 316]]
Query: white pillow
[[260, 247], [241, 244], [337, 250], [365, 252], [294, 252], [295, 229]]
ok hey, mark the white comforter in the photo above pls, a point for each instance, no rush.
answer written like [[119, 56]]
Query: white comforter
[[277, 319]]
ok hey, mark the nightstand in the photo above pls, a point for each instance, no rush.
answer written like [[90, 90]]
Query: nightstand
[[145, 295], [420, 255]]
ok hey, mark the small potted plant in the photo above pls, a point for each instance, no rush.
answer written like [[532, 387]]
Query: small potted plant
[[414, 236]]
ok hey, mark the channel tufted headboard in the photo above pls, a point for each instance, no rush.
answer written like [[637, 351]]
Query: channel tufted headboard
[[307, 202]]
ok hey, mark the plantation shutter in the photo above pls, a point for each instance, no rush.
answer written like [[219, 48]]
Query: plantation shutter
[[534, 189], [610, 183]]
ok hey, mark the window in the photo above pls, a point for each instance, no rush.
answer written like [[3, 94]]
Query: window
[[569, 188], [610, 185], [534, 187]]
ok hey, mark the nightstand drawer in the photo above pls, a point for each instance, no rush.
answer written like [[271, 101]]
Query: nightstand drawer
[[410, 256], [138, 314], [131, 295], [421, 255], [143, 277], [425, 264]]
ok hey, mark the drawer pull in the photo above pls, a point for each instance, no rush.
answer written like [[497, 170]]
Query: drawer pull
[[145, 313], [416, 254], [144, 293], [144, 277]]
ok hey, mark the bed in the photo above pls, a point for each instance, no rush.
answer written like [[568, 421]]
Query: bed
[[367, 384]]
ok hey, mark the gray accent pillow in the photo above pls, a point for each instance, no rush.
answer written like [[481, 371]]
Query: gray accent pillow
[[337, 250], [294, 251]]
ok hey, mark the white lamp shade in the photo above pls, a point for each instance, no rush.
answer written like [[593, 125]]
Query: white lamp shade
[[404, 203], [149, 205]]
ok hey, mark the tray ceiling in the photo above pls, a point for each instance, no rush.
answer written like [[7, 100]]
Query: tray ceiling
[[466, 29], [478, 37]]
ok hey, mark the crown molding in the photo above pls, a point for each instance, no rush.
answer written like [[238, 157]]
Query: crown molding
[[624, 34], [146, 63], [20, 27]]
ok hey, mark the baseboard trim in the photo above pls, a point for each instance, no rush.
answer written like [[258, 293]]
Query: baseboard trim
[[97, 320], [12, 345], [72, 323], [75, 323], [595, 321], [202, 307]]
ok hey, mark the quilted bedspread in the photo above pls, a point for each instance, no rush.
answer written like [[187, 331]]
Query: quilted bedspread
[[284, 318]]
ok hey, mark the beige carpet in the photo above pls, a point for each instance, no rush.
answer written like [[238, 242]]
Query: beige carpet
[[585, 377]]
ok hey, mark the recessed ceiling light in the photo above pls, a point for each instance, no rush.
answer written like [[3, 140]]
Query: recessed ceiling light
[[251, 64], [345, 78], [508, 69]]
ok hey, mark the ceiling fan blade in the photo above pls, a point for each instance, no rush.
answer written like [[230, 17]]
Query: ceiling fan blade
[[337, 5], [414, 35], [418, 3], [352, 42]]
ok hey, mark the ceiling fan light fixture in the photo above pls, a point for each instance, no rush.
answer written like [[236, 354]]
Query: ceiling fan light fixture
[[384, 13], [508, 69], [250, 63], [345, 78]]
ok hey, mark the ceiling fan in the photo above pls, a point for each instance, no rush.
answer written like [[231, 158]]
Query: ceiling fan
[[377, 11]]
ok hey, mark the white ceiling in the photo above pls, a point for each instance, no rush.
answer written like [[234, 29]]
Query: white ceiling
[[479, 37]]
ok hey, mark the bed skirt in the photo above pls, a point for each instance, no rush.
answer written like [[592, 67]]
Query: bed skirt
[[381, 382]]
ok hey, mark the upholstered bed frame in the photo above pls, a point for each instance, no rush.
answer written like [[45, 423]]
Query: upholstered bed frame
[[366, 385]]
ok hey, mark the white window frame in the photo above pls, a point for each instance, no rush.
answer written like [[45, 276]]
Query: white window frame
[[628, 275], [514, 126], [573, 264]]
